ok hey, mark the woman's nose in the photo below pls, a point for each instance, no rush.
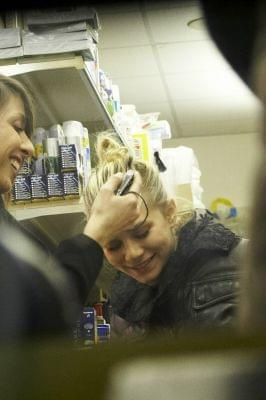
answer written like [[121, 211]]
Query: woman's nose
[[133, 252], [26, 145]]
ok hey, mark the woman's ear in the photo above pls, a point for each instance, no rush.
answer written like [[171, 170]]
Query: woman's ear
[[170, 211]]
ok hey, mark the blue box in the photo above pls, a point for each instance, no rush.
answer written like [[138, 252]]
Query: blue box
[[54, 186], [68, 157], [38, 184], [70, 184], [21, 191]]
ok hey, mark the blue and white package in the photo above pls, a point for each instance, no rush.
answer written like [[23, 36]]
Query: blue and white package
[[54, 186], [71, 187], [21, 189]]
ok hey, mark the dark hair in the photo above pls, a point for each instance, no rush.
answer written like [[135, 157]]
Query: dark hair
[[10, 86]]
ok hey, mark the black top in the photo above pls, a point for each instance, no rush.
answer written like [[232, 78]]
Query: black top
[[41, 293]]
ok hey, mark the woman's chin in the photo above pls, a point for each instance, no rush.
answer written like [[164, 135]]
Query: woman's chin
[[6, 186], [149, 279]]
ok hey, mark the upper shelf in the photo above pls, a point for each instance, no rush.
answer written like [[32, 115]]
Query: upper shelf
[[63, 90]]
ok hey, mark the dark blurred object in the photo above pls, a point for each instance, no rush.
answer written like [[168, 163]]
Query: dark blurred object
[[239, 30], [159, 162], [234, 27], [37, 297], [206, 367]]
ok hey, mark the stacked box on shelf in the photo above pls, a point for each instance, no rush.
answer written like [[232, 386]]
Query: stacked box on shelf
[[60, 167], [10, 43], [68, 165], [50, 31], [21, 191]]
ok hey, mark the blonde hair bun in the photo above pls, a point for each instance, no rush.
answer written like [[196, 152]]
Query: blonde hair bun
[[108, 150]]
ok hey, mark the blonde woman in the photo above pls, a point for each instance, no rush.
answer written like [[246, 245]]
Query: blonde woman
[[176, 267]]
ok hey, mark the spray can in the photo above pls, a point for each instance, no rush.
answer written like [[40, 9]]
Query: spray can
[[51, 155]]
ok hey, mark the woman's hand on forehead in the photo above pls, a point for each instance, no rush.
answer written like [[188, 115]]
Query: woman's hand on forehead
[[112, 214]]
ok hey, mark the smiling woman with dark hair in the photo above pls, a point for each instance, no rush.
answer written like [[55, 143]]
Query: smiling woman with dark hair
[[29, 303], [16, 127], [40, 293]]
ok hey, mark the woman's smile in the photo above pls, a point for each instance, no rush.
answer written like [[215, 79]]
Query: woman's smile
[[16, 162], [141, 266]]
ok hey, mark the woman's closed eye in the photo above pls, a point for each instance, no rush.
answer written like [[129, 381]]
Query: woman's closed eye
[[141, 233], [18, 129], [114, 245], [18, 124]]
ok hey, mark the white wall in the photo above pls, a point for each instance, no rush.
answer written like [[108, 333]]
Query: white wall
[[227, 163]]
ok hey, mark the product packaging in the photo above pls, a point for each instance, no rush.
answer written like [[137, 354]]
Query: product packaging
[[86, 157], [141, 146], [21, 189], [68, 157], [71, 187], [104, 333], [85, 333], [38, 184], [54, 186]]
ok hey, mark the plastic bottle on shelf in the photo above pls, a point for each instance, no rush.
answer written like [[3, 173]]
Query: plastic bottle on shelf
[[73, 133], [110, 103], [51, 155], [39, 135], [56, 131], [104, 96], [116, 97], [86, 156]]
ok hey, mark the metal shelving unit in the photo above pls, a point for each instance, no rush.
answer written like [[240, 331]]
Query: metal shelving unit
[[63, 90]]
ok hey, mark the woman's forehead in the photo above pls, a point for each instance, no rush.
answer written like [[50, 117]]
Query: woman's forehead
[[14, 106]]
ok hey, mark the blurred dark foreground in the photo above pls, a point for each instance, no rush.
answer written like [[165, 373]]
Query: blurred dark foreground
[[216, 365]]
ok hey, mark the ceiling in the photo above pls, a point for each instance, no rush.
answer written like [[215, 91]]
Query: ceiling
[[162, 65]]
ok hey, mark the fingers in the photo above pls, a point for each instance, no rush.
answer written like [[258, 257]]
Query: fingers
[[113, 182], [137, 183]]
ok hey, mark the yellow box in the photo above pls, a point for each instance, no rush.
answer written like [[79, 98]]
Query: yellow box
[[141, 146]]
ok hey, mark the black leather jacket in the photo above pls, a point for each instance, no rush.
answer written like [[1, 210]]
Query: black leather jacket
[[199, 285]]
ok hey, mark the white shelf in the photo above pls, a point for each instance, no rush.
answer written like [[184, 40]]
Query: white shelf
[[25, 65], [26, 211]]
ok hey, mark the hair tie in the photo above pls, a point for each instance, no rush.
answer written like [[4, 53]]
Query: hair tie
[[145, 205]]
